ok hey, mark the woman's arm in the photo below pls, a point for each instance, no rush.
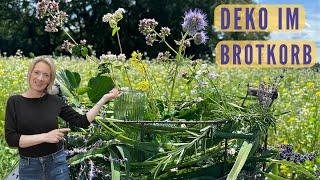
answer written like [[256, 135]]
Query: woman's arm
[[83, 120], [94, 111], [31, 140], [53, 136]]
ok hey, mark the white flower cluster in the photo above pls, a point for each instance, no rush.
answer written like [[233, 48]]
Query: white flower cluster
[[114, 18], [112, 57]]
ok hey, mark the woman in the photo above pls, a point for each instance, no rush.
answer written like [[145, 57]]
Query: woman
[[31, 124]]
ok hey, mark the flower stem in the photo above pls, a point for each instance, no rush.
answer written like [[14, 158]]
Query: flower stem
[[177, 63], [125, 69], [64, 30], [69, 35], [113, 77], [164, 40], [118, 37]]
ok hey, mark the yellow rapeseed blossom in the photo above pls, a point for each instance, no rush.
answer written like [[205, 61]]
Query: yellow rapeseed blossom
[[291, 120], [313, 109], [143, 85], [140, 66], [136, 62], [136, 55], [310, 85], [318, 93], [266, 79]]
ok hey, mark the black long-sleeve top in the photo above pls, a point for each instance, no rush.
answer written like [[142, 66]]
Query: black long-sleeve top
[[28, 116]]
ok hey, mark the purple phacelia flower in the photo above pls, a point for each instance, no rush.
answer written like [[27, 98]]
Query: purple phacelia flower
[[200, 38], [92, 172], [310, 156], [194, 21]]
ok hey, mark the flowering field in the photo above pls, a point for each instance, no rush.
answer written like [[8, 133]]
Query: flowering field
[[178, 116], [299, 93]]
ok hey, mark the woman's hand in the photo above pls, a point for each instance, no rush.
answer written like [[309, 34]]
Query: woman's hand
[[55, 135], [114, 93], [93, 112]]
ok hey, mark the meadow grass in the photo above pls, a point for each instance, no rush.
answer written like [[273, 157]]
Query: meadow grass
[[299, 96]]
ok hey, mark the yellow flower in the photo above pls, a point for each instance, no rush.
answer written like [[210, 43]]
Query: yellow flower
[[291, 120], [143, 85], [134, 62], [318, 93], [141, 67], [266, 79], [310, 85], [136, 55], [313, 109]]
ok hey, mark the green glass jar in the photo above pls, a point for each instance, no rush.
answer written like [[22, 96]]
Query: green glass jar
[[129, 105]]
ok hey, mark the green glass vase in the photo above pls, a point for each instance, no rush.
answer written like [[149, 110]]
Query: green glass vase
[[129, 105]]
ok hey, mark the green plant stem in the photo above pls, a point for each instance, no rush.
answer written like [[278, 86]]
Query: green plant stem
[[119, 42], [125, 69], [69, 36], [65, 31], [164, 40], [172, 87], [177, 63], [113, 76], [154, 79]]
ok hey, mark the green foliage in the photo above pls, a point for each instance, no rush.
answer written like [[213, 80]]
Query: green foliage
[[81, 51], [69, 80], [115, 167], [241, 159], [299, 168], [99, 86]]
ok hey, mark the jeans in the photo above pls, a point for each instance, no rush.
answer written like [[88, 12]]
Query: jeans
[[50, 167]]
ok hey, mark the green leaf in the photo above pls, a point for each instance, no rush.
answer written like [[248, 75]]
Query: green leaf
[[103, 68], [235, 105], [99, 86], [65, 90], [63, 79], [84, 51], [76, 50], [273, 168], [125, 153], [181, 156], [192, 133], [82, 90], [115, 30], [115, 167], [241, 159], [295, 166], [117, 67], [73, 78], [91, 153], [273, 177]]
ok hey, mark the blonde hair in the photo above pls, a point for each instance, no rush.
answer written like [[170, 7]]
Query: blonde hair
[[50, 63]]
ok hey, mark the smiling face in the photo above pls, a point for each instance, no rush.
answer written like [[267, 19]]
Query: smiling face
[[40, 77]]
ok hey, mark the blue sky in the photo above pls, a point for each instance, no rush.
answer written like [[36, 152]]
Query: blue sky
[[311, 30]]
